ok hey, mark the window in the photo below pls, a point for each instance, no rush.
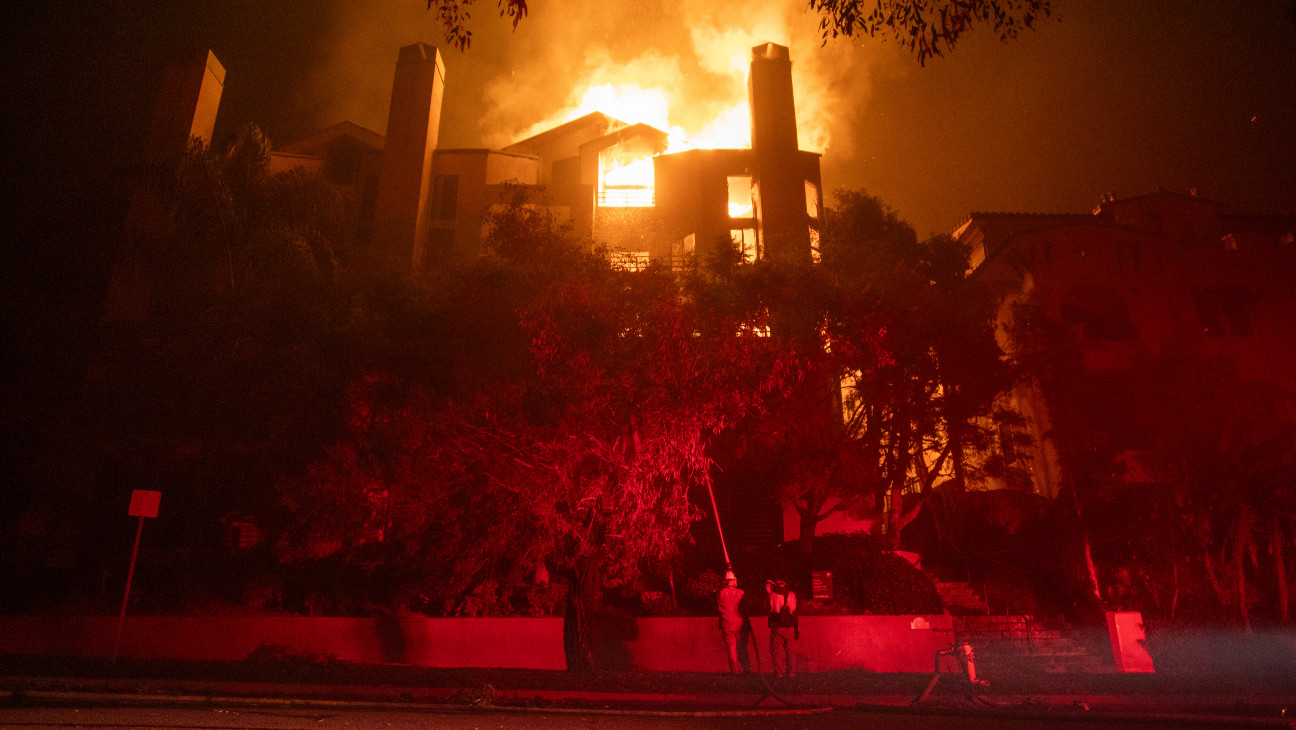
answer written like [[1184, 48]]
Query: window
[[1222, 311], [740, 196], [850, 401], [1007, 444], [816, 255], [745, 240], [445, 197], [812, 200]]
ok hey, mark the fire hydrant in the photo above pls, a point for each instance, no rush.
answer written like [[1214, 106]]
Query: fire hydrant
[[963, 652]]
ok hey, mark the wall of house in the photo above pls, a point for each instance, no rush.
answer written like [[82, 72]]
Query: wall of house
[[872, 643]]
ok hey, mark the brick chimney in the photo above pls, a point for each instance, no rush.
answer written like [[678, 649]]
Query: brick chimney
[[404, 185], [780, 183]]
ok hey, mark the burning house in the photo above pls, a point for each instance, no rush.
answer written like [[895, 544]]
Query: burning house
[[618, 183]]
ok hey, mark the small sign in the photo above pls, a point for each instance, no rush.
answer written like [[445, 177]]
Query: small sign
[[144, 503], [821, 587]]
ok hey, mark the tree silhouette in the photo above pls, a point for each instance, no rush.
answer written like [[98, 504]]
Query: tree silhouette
[[925, 28]]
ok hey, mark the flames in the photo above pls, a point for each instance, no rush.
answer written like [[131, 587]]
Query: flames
[[696, 95], [619, 176], [699, 106]]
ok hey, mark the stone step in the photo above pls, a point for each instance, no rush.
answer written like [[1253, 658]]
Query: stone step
[[983, 649]]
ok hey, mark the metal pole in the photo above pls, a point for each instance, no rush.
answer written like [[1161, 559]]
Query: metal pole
[[719, 529], [121, 620]]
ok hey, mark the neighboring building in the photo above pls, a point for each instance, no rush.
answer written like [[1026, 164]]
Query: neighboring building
[[350, 158], [1143, 279]]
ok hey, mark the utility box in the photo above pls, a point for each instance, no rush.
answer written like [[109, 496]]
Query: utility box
[[1129, 642]]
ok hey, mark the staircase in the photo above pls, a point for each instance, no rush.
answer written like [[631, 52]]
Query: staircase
[[1019, 638]]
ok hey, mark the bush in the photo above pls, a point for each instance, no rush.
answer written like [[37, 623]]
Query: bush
[[869, 579]]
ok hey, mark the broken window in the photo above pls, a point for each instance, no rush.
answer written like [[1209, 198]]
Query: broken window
[[740, 196], [626, 177], [745, 240], [812, 200]]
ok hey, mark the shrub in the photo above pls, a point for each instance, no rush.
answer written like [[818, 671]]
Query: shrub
[[869, 579]]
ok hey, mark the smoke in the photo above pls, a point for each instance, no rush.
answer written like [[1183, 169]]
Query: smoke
[[699, 52], [510, 84]]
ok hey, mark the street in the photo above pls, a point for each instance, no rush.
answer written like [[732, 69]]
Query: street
[[330, 718]]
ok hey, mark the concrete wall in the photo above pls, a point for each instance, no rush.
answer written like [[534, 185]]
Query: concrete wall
[[872, 643]]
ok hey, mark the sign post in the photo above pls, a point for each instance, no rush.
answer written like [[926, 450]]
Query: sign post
[[144, 503]]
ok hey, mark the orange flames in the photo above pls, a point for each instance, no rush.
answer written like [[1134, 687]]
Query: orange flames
[[636, 104], [650, 90]]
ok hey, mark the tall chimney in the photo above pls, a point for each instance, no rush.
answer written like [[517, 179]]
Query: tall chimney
[[769, 94], [780, 185], [404, 185], [187, 102]]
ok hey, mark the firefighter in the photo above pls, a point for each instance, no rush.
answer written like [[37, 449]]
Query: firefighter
[[731, 619], [783, 625]]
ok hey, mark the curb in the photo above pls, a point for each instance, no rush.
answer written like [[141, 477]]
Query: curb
[[1104, 716], [997, 710], [17, 696]]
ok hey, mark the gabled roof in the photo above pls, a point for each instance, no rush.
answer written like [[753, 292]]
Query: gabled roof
[[656, 138], [318, 142], [590, 126]]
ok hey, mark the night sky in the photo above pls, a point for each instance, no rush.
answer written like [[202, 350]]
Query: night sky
[[1116, 97]]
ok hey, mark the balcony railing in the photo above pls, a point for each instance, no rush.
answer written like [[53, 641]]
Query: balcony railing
[[626, 197]]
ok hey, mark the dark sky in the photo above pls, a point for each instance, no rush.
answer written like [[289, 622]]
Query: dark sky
[[1119, 96]]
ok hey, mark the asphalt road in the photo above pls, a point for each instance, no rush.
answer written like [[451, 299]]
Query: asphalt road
[[243, 718]]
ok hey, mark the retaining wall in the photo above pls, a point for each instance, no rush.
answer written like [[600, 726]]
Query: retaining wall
[[873, 643]]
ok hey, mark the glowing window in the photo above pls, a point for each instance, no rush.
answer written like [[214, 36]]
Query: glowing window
[[740, 196], [625, 182], [816, 255], [745, 239], [849, 396], [758, 325], [812, 199]]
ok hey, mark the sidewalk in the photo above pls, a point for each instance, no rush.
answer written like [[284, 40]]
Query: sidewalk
[[293, 681]]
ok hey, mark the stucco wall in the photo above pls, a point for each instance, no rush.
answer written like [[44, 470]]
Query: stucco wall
[[873, 643]]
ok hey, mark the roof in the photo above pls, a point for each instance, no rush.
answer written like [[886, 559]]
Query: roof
[[658, 139], [1110, 200], [315, 144], [594, 124]]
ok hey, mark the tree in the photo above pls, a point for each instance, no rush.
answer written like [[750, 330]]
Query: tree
[[575, 455], [455, 16], [899, 372], [925, 28], [223, 383]]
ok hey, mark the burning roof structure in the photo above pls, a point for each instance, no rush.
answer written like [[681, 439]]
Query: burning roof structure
[[629, 186], [619, 183]]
